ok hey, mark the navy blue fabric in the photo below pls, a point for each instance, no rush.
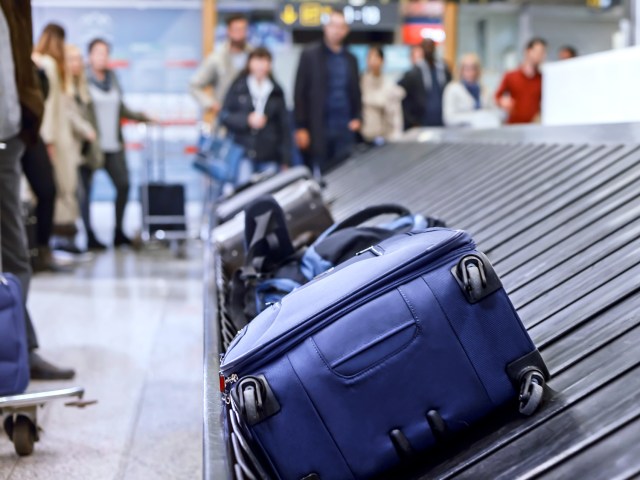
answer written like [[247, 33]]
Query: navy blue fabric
[[373, 346], [474, 91], [337, 104], [433, 111], [14, 362]]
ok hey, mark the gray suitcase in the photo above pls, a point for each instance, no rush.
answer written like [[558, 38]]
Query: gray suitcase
[[307, 217], [228, 209]]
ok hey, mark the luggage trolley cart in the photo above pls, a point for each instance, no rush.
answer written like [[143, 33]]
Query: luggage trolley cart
[[163, 204], [19, 414]]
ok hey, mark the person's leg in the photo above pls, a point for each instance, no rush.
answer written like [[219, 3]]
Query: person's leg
[[85, 175], [341, 145], [37, 168], [15, 257], [116, 167]]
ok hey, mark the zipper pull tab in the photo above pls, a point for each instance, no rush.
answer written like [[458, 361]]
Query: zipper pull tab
[[371, 249]]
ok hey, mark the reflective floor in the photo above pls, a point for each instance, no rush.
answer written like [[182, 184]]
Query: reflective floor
[[130, 323]]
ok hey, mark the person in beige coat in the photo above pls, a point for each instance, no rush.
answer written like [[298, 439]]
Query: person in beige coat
[[466, 103], [92, 156], [219, 70], [62, 130], [381, 102]]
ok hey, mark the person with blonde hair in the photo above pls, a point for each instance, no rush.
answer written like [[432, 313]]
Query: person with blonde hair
[[61, 131], [466, 103], [92, 157]]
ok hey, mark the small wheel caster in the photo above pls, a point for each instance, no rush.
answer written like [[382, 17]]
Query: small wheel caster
[[476, 283], [531, 392], [23, 436]]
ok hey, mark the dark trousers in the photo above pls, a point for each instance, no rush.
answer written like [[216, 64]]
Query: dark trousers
[[115, 165], [339, 147], [39, 172], [15, 254]]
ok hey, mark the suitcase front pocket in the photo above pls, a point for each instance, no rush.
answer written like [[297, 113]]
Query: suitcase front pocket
[[367, 336]]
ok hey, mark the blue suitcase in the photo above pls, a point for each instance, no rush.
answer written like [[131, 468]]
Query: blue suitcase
[[408, 342], [14, 362]]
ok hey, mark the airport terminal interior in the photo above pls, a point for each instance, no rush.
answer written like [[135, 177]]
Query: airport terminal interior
[[319, 240]]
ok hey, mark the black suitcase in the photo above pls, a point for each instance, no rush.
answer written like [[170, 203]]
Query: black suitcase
[[307, 216], [229, 208], [163, 207], [163, 203]]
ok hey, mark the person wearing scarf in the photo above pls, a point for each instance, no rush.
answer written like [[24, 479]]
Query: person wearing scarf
[[256, 117], [466, 103]]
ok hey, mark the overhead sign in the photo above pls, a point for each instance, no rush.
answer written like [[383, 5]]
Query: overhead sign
[[603, 4], [312, 15]]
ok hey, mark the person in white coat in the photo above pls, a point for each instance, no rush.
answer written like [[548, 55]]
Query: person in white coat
[[466, 103]]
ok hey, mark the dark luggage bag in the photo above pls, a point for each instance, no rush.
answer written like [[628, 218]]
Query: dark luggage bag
[[306, 213], [406, 343], [229, 208], [163, 207], [14, 359]]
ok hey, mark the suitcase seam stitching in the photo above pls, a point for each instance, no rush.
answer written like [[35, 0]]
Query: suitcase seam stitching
[[475, 371], [317, 412]]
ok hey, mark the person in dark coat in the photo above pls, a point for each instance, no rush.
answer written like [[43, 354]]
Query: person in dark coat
[[328, 102], [256, 117], [424, 85]]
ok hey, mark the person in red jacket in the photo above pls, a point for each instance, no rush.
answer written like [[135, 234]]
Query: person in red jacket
[[520, 92]]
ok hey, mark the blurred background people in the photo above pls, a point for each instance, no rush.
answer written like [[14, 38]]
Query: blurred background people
[[424, 85], [416, 54], [92, 158], [520, 93], [110, 110], [210, 83], [256, 117], [37, 169], [61, 132], [21, 109], [328, 101], [382, 119], [566, 52], [466, 102]]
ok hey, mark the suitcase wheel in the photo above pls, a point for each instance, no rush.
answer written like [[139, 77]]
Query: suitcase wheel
[[531, 392], [251, 399], [22, 433]]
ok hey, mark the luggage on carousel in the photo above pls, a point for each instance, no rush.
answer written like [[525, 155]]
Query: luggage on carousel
[[410, 341], [306, 216], [14, 361], [229, 208], [281, 269]]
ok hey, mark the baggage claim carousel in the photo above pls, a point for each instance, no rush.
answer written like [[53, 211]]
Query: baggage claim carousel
[[557, 210]]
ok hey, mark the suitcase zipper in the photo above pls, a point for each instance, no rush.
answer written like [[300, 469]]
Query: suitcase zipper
[[266, 353]]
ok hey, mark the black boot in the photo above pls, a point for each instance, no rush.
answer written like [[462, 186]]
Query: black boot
[[93, 243], [42, 370], [120, 239]]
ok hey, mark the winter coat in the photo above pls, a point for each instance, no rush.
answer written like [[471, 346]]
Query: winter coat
[[270, 144]]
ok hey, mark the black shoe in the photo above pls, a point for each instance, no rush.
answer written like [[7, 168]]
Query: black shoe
[[120, 239], [43, 370], [94, 244], [69, 248]]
